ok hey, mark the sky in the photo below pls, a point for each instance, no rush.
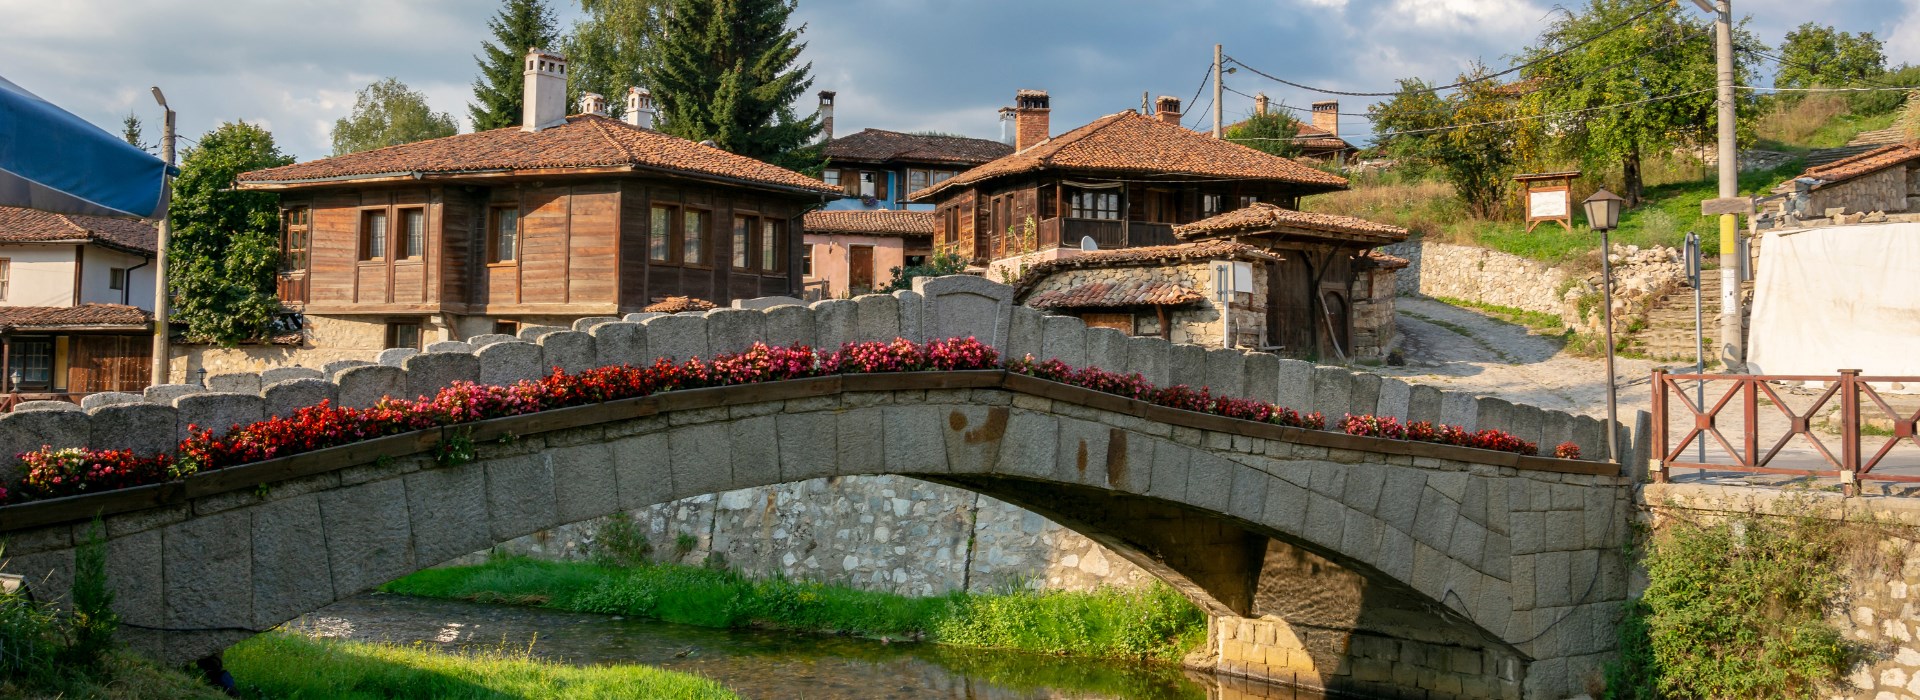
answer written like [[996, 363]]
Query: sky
[[907, 65]]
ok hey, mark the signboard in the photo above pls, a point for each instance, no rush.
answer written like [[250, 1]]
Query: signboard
[[1549, 197], [1727, 205], [1547, 204]]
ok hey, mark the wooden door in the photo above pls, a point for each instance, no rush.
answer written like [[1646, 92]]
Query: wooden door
[[1119, 322], [860, 268], [1290, 315]]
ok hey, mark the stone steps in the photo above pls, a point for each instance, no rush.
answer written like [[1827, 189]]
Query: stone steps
[[1669, 330]]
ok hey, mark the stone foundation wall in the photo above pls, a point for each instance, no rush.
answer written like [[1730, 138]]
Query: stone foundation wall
[[1271, 651]]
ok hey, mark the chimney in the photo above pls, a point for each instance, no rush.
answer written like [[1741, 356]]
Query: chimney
[[544, 101], [1167, 109], [1031, 109], [1260, 103], [1326, 116], [1006, 125], [640, 110], [826, 115], [593, 103]]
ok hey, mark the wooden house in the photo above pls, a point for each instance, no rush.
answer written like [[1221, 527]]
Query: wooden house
[[560, 218], [75, 299], [877, 168]]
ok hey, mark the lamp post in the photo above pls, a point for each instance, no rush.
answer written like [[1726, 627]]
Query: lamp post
[[161, 348], [1603, 215]]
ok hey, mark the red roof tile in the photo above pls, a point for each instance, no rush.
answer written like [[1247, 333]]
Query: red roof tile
[[1384, 261], [18, 225], [1112, 295], [880, 146], [878, 222], [84, 315], [674, 305], [1264, 216], [1866, 163], [585, 140], [1130, 143], [1140, 257]]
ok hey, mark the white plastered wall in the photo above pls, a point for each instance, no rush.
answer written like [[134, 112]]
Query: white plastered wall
[[1839, 297]]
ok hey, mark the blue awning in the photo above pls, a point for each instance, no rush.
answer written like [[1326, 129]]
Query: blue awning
[[54, 161]]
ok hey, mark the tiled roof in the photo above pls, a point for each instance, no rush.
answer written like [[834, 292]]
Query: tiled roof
[[674, 305], [1127, 142], [877, 222], [84, 315], [1264, 216], [880, 146], [18, 225], [1310, 137], [585, 140], [1137, 257], [1112, 295], [1866, 163], [1384, 261]]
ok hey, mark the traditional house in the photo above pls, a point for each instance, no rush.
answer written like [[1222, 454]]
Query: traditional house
[[75, 296], [560, 218], [1319, 137], [878, 169], [854, 252], [1885, 179]]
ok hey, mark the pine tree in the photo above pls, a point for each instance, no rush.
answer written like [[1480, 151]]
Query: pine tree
[[130, 130], [497, 93], [724, 70]]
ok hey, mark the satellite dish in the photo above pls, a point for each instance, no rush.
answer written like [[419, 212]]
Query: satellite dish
[[1087, 245]]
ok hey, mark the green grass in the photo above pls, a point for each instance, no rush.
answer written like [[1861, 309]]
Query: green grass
[[1539, 321], [119, 676], [1833, 133], [1153, 623], [291, 665]]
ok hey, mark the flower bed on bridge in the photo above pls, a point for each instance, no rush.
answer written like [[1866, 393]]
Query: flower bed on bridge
[[53, 473]]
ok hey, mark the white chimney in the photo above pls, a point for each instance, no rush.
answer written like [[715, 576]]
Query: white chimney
[[1006, 125], [544, 101], [826, 115], [593, 103], [640, 110]]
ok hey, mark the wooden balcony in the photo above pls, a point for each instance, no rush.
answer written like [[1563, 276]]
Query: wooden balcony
[[1106, 233]]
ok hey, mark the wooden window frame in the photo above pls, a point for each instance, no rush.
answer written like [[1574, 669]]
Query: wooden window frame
[[806, 261], [403, 248], [419, 329], [831, 176], [668, 240], [1095, 204], [773, 245], [926, 179], [6, 277], [495, 215], [744, 226], [706, 261], [366, 234], [117, 279], [292, 218]]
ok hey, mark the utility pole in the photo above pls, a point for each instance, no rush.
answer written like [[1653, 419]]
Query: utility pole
[[161, 347], [1733, 353], [1217, 84]]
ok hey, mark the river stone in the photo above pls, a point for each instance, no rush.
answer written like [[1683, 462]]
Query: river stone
[[235, 382], [363, 387], [428, 374], [283, 398]]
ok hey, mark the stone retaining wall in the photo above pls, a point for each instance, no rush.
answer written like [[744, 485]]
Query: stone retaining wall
[[1470, 273]]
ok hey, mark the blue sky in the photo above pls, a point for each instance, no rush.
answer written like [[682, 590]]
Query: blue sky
[[897, 64]]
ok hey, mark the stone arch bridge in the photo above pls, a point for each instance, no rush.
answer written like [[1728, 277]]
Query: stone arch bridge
[[1325, 560]]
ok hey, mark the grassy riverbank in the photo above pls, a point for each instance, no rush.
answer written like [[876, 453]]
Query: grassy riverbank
[[1155, 623]]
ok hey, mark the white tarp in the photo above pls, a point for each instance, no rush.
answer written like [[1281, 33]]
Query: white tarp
[[1838, 297]]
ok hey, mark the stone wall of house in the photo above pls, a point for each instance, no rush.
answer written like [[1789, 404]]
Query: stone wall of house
[[885, 533], [1884, 191], [1374, 334], [324, 339], [1640, 277]]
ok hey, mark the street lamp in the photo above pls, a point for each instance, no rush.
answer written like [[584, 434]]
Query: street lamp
[[161, 351], [1603, 215]]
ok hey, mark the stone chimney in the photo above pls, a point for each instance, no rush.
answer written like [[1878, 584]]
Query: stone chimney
[[1260, 103], [826, 115], [1031, 111], [1167, 109], [1326, 116], [544, 100], [640, 110], [593, 103], [1006, 125]]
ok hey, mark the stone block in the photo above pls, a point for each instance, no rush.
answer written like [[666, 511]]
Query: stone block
[[755, 457], [393, 357], [164, 394], [1064, 339], [1494, 413], [485, 339], [1433, 525], [677, 337], [207, 565], [1286, 506], [1247, 499], [619, 343], [734, 330], [1557, 428], [1026, 333], [1423, 404], [363, 387], [584, 481], [702, 460], [789, 325], [47, 405], [290, 570], [1227, 372], [1149, 357], [876, 317], [429, 373], [1591, 435], [1530, 424], [808, 445], [1293, 385], [369, 538], [1364, 486], [586, 324], [1326, 522], [217, 411], [281, 374], [108, 398], [1638, 454], [449, 346], [1031, 443], [1259, 382], [859, 437], [764, 303], [1187, 365], [572, 351], [1395, 396], [835, 322], [1107, 349], [1459, 409], [283, 398], [1209, 482], [504, 364], [520, 496], [915, 440], [235, 382], [1332, 392], [1081, 457], [912, 308], [447, 512], [29, 431], [641, 317], [1366, 394], [958, 306], [144, 428], [532, 334], [134, 567], [1400, 498], [333, 369]]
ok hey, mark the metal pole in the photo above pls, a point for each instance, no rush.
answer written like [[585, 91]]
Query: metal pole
[[1606, 311], [164, 230], [1217, 85], [1732, 338]]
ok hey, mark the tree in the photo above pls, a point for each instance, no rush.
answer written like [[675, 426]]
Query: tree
[[388, 113], [498, 92], [1817, 55], [130, 130], [224, 249], [1476, 137], [724, 70], [603, 54], [1273, 132]]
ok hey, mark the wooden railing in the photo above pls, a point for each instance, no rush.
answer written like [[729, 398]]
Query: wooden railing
[[1106, 233], [1710, 400]]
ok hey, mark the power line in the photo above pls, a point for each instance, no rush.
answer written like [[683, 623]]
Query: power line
[[1782, 60], [1911, 88], [1202, 87], [1389, 134]]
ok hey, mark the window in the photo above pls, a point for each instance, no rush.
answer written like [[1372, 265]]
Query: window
[[33, 361], [742, 247], [506, 327], [116, 278], [940, 176], [917, 179], [1096, 205], [1209, 204], [1248, 200], [413, 233], [659, 234], [872, 184], [916, 260], [831, 177], [294, 234], [693, 241], [503, 235], [770, 248], [1049, 208], [373, 235], [806, 261], [403, 334], [6, 276]]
